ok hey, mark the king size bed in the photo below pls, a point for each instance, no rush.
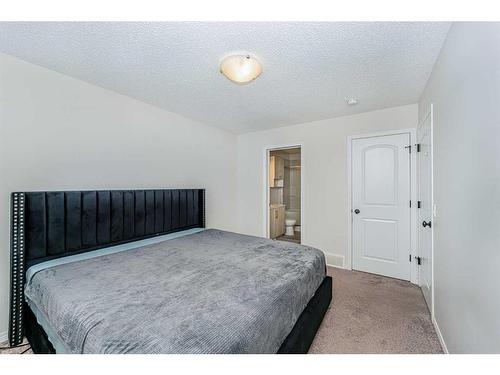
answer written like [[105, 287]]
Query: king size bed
[[136, 271]]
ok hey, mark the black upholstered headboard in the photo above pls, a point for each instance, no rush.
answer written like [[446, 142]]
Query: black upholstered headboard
[[49, 225]]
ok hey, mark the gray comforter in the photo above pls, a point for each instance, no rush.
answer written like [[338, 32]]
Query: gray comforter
[[209, 292]]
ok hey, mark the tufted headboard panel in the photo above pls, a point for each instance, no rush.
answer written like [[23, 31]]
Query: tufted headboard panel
[[54, 224]]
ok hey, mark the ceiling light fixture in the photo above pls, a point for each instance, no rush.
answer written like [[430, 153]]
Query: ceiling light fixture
[[351, 101], [241, 68]]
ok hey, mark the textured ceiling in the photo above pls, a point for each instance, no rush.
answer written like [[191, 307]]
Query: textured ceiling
[[309, 68]]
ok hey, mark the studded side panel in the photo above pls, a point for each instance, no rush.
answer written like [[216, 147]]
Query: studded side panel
[[17, 268], [203, 217]]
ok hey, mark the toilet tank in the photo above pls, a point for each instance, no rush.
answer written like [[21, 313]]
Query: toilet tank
[[293, 214]]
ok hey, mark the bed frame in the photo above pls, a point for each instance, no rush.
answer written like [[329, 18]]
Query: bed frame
[[50, 225]]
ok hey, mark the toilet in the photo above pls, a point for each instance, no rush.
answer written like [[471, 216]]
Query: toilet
[[289, 223]]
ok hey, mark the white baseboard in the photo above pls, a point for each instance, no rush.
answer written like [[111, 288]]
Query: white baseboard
[[335, 266], [440, 335], [3, 336]]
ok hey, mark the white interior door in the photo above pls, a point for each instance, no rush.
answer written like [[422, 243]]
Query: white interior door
[[424, 138], [380, 205]]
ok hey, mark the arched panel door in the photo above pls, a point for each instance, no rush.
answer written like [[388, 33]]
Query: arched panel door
[[380, 202]]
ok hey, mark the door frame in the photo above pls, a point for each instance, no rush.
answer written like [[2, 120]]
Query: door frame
[[414, 275], [266, 218], [430, 113]]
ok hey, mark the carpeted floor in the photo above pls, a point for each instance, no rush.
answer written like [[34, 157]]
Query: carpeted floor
[[375, 314], [23, 348], [369, 314]]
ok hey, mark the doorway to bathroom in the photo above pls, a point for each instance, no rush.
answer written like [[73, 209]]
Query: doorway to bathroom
[[284, 194]]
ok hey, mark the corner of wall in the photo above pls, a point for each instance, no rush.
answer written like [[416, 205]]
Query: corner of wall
[[440, 335]]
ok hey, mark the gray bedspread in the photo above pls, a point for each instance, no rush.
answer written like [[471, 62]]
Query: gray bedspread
[[209, 292]]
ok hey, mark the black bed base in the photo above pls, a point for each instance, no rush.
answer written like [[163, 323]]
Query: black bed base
[[297, 342], [302, 335], [35, 334]]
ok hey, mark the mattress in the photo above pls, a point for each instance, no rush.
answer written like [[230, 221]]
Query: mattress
[[206, 292]]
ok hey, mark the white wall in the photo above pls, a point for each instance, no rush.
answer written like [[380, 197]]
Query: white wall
[[465, 89], [58, 133], [324, 159]]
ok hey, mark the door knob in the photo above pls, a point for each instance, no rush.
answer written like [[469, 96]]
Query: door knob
[[356, 211], [426, 224]]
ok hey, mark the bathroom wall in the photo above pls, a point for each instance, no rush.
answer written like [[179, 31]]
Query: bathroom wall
[[293, 187], [292, 184], [286, 185]]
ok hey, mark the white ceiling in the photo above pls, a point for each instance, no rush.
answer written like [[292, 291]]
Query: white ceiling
[[309, 68]]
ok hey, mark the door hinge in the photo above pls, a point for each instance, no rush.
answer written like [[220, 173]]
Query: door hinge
[[418, 147], [418, 259], [410, 204], [419, 204], [409, 148]]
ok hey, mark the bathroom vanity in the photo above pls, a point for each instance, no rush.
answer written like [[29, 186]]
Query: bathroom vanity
[[277, 220]]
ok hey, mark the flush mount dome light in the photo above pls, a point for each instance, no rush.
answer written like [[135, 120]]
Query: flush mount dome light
[[240, 69]]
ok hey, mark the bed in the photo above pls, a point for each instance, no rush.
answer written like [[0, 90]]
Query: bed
[[136, 271]]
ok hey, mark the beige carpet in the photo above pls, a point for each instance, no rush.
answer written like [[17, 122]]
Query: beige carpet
[[375, 314], [23, 348], [369, 314]]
